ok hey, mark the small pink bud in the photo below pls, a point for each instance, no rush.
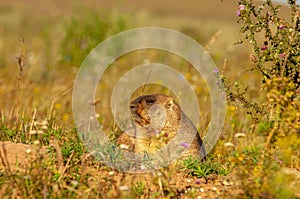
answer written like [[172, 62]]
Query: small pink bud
[[185, 145], [264, 47], [281, 26], [242, 7], [282, 55]]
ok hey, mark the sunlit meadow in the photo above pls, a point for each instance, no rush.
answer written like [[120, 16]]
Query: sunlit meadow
[[254, 45]]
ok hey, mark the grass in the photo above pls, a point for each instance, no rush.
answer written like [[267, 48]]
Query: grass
[[36, 89], [203, 169]]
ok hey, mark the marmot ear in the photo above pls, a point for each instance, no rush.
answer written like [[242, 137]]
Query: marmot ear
[[170, 102]]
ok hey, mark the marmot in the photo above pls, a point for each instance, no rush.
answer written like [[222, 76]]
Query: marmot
[[158, 119]]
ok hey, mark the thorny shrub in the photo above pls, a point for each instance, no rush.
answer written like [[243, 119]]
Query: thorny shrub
[[275, 43]]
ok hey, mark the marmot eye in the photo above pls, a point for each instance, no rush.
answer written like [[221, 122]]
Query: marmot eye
[[150, 101]]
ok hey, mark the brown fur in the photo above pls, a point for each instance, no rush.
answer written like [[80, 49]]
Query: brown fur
[[159, 113]]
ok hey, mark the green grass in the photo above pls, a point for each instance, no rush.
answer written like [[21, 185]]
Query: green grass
[[203, 169]]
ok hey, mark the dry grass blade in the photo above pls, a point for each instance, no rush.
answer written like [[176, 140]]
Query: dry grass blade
[[21, 65]]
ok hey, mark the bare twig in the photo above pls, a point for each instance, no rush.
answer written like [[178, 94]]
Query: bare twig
[[21, 65], [213, 40], [63, 170], [147, 77]]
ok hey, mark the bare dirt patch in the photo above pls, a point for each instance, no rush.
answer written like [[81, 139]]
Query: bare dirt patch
[[17, 154]]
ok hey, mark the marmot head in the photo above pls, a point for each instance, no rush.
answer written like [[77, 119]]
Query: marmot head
[[154, 110]]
